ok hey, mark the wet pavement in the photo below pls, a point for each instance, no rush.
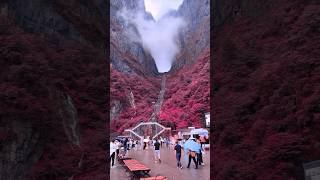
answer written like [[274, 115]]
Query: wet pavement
[[167, 167]]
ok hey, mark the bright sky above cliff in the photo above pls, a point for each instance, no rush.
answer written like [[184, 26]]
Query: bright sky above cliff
[[158, 37], [159, 7]]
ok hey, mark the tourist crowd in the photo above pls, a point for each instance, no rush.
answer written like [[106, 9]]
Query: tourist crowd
[[192, 148]]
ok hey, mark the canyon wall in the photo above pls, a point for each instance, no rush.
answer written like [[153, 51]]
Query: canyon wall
[[265, 88], [195, 37], [83, 21], [53, 89], [126, 54]]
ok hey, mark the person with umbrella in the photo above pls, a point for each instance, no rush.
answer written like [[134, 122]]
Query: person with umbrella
[[192, 148]]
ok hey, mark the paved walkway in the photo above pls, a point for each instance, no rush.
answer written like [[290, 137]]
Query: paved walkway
[[167, 167]]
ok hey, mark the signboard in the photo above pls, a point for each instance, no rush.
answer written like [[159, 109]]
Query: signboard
[[207, 118]]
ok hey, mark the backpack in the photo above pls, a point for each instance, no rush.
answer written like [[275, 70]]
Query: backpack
[[193, 154]]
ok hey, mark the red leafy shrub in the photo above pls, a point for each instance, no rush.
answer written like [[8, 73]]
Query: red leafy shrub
[[32, 69], [145, 91], [266, 93], [186, 96]]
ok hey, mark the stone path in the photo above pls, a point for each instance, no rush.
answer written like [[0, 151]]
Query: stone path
[[166, 168], [157, 105]]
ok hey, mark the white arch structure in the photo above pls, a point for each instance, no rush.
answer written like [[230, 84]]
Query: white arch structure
[[148, 123]]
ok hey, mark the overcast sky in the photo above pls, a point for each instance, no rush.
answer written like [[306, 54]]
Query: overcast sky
[[159, 7]]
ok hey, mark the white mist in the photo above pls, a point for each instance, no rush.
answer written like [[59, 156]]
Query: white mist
[[158, 37]]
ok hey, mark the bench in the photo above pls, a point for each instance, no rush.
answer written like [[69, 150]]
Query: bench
[[155, 178], [121, 159], [136, 167]]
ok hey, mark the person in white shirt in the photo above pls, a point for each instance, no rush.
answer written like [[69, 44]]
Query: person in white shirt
[[117, 143], [141, 144], [130, 144], [113, 148], [161, 141]]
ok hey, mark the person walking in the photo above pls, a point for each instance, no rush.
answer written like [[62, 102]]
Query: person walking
[[192, 155], [130, 144], [125, 145], [161, 140], [145, 143], [113, 148], [173, 143], [178, 148], [141, 144], [157, 151], [153, 141], [117, 143], [199, 155], [134, 145], [202, 141]]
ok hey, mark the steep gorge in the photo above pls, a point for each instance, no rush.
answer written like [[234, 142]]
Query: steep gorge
[[187, 84]]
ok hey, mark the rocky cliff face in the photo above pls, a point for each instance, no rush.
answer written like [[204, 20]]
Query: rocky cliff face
[[52, 93], [195, 37], [21, 146], [226, 11], [126, 54], [266, 89], [83, 21]]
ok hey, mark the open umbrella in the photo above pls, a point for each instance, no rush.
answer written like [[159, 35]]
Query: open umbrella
[[200, 132], [192, 146]]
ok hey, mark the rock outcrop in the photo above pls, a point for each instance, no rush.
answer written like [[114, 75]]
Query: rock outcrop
[[21, 146], [126, 54], [195, 37]]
